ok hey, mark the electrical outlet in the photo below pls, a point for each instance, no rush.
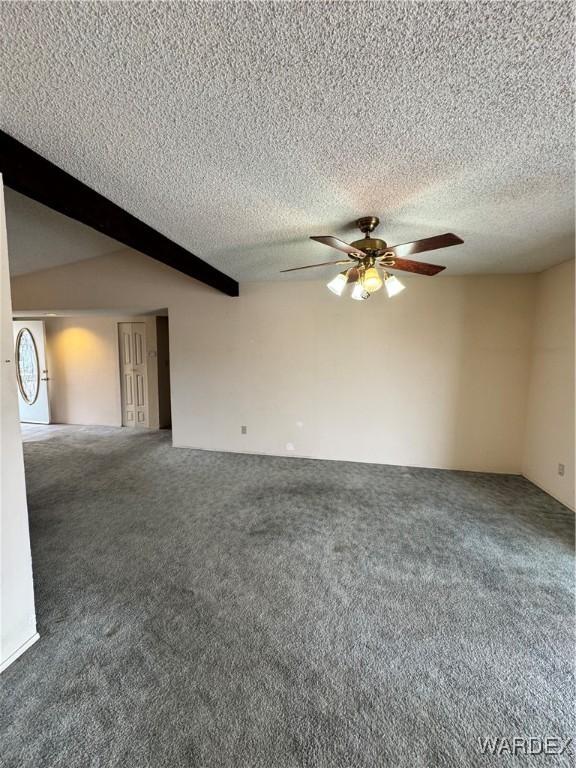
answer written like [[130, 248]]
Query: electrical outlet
[[289, 446], [244, 429], [561, 470]]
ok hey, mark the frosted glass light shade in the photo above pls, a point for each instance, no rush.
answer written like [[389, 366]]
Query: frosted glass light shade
[[393, 285], [338, 284], [359, 293], [372, 281]]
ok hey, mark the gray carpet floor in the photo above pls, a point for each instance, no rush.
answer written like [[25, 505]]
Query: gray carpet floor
[[219, 610]]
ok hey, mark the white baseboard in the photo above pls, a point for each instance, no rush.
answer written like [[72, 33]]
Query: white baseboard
[[554, 494], [19, 651], [295, 455]]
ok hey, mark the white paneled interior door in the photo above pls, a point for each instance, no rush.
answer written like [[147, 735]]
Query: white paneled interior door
[[31, 371], [133, 374]]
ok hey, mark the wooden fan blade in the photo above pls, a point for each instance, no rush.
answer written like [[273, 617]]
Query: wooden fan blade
[[340, 245], [418, 267], [309, 266], [428, 244]]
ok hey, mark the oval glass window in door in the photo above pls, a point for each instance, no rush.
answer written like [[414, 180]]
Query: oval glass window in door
[[27, 366]]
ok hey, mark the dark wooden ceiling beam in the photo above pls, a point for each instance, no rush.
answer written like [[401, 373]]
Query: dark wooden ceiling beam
[[29, 173]]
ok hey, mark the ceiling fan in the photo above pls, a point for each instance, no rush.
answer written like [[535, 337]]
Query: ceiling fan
[[370, 254]]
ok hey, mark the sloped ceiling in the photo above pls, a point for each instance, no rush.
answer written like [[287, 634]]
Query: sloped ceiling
[[40, 238], [238, 129]]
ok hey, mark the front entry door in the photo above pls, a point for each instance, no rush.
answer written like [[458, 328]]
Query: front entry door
[[31, 371], [133, 381]]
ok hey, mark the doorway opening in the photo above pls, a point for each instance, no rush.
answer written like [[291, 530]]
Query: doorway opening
[[97, 368]]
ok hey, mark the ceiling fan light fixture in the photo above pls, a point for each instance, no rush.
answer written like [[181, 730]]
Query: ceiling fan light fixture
[[372, 257], [393, 285], [359, 293], [338, 283], [372, 281]]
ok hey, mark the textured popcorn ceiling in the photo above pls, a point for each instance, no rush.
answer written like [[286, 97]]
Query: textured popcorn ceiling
[[238, 129]]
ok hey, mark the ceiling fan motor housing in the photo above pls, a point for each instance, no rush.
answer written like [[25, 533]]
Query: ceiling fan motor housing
[[372, 246]]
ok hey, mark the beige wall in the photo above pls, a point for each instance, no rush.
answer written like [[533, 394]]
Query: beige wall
[[17, 616], [437, 376], [83, 365], [550, 413], [84, 382]]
